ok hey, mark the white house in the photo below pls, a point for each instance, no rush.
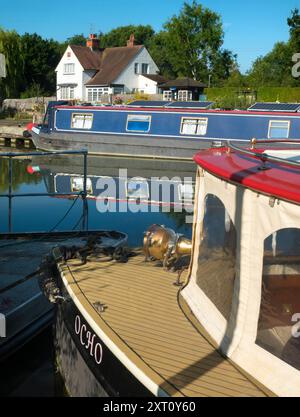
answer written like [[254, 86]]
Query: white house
[[87, 72]]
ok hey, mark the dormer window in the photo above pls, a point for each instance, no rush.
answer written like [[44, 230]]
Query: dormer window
[[69, 68], [136, 68]]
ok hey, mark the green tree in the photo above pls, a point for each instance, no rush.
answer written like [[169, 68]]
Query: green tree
[[76, 40], [159, 50], [11, 47], [273, 69], [294, 24], [120, 35], [41, 57], [194, 40]]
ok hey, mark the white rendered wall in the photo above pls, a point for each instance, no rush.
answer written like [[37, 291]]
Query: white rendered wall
[[132, 80], [76, 78]]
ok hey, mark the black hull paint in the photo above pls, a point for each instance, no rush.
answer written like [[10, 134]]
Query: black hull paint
[[82, 375]]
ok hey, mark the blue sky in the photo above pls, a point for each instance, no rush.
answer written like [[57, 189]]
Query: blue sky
[[251, 28]]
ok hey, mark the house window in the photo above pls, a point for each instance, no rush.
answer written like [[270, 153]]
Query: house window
[[279, 129], [81, 121], [118, 90], [145, 68], [184, 95], [167, 95], [67, 92], [137, 123], [193, 126], [136, 68], [277, 330], [69, 68], [94, 94]]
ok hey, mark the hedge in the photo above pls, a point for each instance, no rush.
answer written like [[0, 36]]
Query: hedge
[[229, 97]]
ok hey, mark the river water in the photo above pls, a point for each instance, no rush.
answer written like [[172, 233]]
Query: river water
[[31, 371]]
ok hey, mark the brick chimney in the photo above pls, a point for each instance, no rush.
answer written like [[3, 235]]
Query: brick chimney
[[130, 42], [93, 42]]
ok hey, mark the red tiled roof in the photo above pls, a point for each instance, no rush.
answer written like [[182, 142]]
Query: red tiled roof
[[90, 60], [113, 61]]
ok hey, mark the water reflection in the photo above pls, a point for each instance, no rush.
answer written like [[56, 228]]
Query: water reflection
[[61, 174]]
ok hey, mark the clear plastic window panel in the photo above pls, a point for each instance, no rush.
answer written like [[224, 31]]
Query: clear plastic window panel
[[217, 255], [278, 330]]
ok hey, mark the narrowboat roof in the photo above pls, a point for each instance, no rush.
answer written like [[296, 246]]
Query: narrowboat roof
[[176, 109], [272, 171]]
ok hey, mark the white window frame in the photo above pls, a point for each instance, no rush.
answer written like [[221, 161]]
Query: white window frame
[[167, 95], [185, 95], [138, 117], [136, 68], [184, 119], [86, 117], [148, 67], [94, 94], [69, 68], [67, 92], [76, 188], [287, 122]]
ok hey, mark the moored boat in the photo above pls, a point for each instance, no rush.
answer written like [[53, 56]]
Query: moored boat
[[231, 329], [160, 129], [24, 310]]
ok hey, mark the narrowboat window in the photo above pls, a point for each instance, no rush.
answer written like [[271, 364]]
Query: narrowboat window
[[279, 129], [217, 255], [137, 188], [193, 126], [82, 120], [278, 331], [186, 191], [77, 185], [138, 123]]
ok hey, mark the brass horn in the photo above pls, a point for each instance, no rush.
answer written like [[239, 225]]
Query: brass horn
[[164, 244]]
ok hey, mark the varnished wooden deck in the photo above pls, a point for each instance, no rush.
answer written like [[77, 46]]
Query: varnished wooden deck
[[144, 319]]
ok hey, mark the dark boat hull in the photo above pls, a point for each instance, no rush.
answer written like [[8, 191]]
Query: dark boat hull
[[79, 366], [133, 146], [26, 310]]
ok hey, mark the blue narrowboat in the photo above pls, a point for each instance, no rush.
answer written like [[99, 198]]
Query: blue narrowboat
[[161, 129]]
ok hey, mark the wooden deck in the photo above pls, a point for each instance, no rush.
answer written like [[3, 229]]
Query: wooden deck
[[147, 323]]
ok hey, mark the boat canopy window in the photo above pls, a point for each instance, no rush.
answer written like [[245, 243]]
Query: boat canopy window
[[137, 188], [193, 126], [138, 123], [279, 129], [81, 120], [217, 255], [278, 325]]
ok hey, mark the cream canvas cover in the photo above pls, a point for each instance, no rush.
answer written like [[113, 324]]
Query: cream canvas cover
[[255, 216]]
